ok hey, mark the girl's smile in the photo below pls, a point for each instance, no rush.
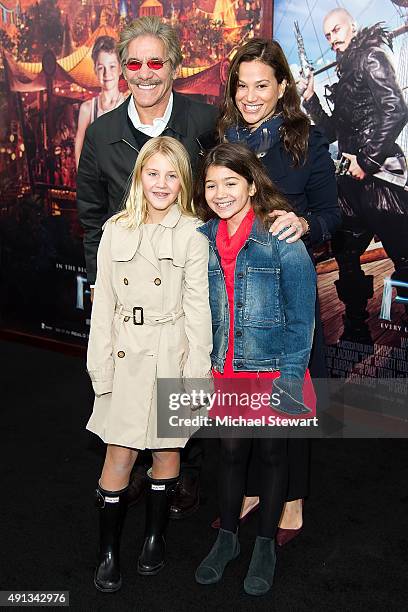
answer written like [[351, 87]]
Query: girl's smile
[[228, 194], [161, 186]]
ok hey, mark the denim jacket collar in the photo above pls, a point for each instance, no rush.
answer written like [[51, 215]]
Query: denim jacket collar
[[258, 232]]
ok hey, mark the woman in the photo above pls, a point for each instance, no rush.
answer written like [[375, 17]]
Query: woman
[[262, 297], [262, 110], [107, 69], [150, 319]]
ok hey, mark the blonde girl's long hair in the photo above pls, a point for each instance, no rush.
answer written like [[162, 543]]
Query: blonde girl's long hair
[[135, 210]]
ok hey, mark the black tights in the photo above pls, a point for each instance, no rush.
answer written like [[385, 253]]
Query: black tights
[[273, 475]]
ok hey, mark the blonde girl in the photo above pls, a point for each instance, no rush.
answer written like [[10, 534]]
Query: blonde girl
[[150, 319]]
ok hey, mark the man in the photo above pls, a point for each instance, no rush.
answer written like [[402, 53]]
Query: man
[[368, 114], [150, 56]]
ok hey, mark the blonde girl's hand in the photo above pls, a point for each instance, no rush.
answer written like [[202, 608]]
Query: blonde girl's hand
[[295, 226]]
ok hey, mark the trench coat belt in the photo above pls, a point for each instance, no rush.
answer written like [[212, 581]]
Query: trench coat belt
[[159, 319]]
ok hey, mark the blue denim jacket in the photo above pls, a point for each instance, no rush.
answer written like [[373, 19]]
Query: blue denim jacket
[[274, 309]]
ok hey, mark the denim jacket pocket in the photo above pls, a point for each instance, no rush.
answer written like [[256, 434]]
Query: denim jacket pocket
[[216, 285], [262, 303]]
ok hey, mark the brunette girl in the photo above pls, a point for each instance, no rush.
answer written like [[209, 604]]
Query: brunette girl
[[262, 296]]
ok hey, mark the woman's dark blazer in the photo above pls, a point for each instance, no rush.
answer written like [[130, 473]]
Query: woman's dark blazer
[[310, 188]]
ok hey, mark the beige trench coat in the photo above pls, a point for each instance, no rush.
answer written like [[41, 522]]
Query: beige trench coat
[[124, 360]]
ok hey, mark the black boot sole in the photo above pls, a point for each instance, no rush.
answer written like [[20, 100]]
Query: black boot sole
[[152, 572], [108, 590]]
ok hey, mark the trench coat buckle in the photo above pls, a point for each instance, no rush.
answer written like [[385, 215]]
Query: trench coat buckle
[[138, 315]]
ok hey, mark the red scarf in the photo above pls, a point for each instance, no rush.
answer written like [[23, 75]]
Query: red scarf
[[228, 248]]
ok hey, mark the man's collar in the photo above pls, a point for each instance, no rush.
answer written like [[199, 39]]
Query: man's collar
[[178, 120], [134, 115], [120, 129]]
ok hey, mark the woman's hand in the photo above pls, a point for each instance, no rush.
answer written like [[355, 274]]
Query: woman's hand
[[296, 226]]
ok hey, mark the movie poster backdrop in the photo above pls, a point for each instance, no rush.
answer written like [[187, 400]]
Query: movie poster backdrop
[[54, 55], [50, 89], [376, 345]]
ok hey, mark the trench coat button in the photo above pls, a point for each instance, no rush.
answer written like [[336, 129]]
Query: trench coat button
[[238, 333], [239, 304], [126, 319], [157, 281], [125, 280], [121, 354]]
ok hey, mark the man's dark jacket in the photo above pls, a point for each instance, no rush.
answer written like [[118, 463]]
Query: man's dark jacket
[[369, 107], [108, 158]]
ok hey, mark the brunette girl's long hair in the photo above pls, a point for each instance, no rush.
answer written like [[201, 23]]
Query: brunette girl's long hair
[[295, 127], [242, 161]]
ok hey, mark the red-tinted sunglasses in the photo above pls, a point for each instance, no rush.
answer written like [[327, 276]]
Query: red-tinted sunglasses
[[153, 64]]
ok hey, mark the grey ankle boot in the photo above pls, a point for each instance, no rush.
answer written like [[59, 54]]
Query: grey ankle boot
[[225, 549], [261, 570]]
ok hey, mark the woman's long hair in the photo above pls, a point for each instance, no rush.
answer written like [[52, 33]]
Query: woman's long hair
[[295, 127], [135, 211], [242, 161]]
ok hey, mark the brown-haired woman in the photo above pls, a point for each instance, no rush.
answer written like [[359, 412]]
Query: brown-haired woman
[[262, 110], [262, 298]]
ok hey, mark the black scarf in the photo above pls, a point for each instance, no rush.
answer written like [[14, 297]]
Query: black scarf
[[261, 139]]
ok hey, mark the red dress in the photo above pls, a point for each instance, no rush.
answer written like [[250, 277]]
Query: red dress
[[257, 382]]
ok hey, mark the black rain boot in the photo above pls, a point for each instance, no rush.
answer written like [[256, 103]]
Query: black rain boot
[[225, 549], [112, 509], [261, 570], [151, 559]]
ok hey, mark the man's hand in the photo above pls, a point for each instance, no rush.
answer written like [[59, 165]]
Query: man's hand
[[354, 169], [305, 87], [296, 226]]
